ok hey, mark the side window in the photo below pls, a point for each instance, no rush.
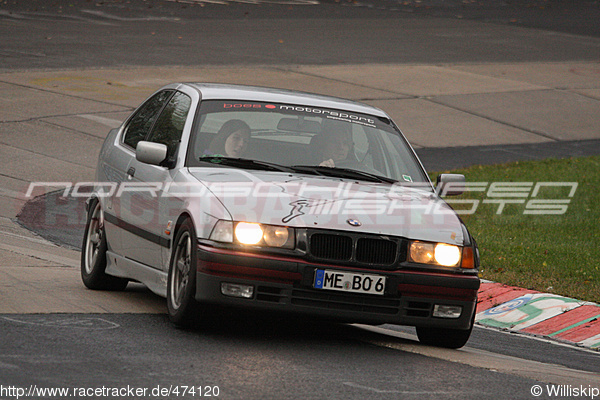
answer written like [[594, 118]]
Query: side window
[[169, 126], [140, 124]]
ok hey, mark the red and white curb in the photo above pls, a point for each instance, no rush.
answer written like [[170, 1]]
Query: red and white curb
[[541, 314]]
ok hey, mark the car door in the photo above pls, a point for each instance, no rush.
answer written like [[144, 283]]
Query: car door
[[143, 210], [135, 129]]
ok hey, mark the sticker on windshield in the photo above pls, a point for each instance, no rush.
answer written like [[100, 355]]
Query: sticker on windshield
[[407, 178]]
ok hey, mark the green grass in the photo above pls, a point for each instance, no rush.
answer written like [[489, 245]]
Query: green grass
[[551, 253]]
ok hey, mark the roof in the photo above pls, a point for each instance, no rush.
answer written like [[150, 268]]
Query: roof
[[214, 91]]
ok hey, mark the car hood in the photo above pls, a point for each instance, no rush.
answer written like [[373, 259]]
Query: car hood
[[307, 201]]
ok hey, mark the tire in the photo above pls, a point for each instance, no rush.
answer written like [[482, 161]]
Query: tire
[[184, 310], [93, 253], [448, 338]]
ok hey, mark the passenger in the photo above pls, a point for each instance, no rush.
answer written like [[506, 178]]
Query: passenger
[[231, 140]]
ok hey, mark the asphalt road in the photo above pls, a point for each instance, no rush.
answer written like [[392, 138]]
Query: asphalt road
[[79, 34], [291, 361], [251, 357], [247, 356]]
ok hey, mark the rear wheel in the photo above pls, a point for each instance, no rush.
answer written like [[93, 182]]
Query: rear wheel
[[181, 288], [93, 253]]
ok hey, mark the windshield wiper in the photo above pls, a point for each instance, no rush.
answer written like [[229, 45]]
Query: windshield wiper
[[342, 173], [244, 163]]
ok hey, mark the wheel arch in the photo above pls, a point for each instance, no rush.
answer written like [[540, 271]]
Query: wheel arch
[[182, 217], [93, 197]]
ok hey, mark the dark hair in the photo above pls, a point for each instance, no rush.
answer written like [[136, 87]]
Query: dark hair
[[329, 129], [217, 146]]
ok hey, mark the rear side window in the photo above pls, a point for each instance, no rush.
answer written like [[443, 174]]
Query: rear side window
[[142, 121], [169, 126]]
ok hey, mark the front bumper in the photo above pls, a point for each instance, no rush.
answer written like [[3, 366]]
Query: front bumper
[[286, 284]]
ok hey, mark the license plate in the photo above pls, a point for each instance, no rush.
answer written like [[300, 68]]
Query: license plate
[[349, 282]]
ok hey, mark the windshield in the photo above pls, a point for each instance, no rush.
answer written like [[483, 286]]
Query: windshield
[[301, 139]]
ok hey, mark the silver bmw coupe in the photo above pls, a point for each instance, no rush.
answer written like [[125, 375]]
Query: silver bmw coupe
[[237, 196]]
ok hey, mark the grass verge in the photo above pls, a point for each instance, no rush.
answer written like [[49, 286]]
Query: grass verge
[[532, 243]]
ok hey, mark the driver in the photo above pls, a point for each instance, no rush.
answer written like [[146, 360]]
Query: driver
[[336, 145]]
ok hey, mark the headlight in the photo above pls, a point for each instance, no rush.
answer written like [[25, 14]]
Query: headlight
[[421, 252], [276, 236], [253, 234], [248, 233], [446, 255]]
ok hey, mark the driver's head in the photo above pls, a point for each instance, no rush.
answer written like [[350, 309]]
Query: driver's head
[[337, 140]]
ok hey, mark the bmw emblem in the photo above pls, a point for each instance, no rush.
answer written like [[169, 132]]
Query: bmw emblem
[[353, 222]]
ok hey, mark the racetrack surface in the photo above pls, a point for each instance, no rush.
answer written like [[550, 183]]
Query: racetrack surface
[[467, 82]]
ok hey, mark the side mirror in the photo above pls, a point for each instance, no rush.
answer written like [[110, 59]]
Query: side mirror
[[450, 184], [150, 152]]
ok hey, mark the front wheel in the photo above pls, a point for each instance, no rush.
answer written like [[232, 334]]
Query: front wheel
[[93, 253], [448, 338], [181, 287]]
